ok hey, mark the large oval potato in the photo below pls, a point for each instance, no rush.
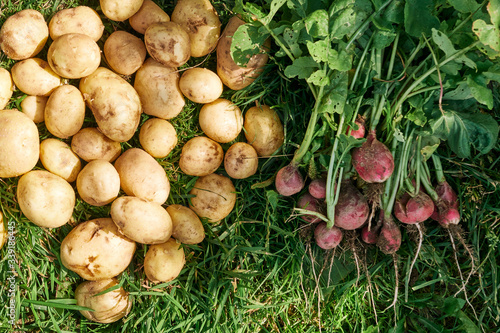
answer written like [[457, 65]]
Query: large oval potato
[[201, 85], [124, 52], [186, 225], [98, 183], [108, 307], [96, 250], [221, 120], [201, 21], [58, 158], [148, 14], [45, 199], [263, 129], [158, 137], [233, 76], [90, 144], [35, 77], [24, 34], [241, 161], [142, 176], [19, 144], [6, 87], [214, 197], [158, 88], [120, 10], [34, 107], [143, 221], [81, 19], [168, 43], [114, 102], [65, 111], [164, 262], [201, 156]]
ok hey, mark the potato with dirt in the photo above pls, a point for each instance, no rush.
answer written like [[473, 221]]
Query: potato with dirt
[[186, 225], [65, 111], [124, 52], [241, 161], [58, 158], [148, 14], [35, 77], [6, 87], [81, 19], [168, 43], [91, 144], [164, 262], [263, 129], [201, 156], [221, 120]]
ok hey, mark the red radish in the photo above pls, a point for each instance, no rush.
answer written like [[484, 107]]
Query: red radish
[[352, 209], [389, 239], [446, 211], [411, 210], [373, 160], [307, 201], [360, 132], [289, 180], [317, 188], [327, 238], [370, 236]]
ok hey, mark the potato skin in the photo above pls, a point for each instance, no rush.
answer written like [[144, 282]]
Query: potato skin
[[24, 34], [186, 225], [19, 144], [263, 129], [81, 19], [158, 137], [168, 43], [120, 10], [90, 144], [96, 250], [241, 161], [45, 199], [34, 107], [6, 87], [148, 14], [58, 158], [98, 183], [221, 120], [164, 262], [3, 233], [201, 156], [35, 77], [200, 85], [65, 111], [124, 52]]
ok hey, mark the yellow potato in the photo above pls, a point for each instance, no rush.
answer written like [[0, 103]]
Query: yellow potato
[[168, 43], [201, 156], [45, 199], [120, 10], [158, 137], [164, 262], [81, 19], [186, 225], [3, 233], [124, 52], [19, 144], [35, 77], [90, 144], [221, 120], [58, 158], [98, 183], [200, 85], [24, 34], [263, 129], [148, 14], [158, 88], [65, 111], [6, 87], [34, 107], [241, 161]]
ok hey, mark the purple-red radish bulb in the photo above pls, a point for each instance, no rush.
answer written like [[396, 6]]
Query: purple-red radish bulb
[[389, 239], [352, 209], [327, 238], [289, 180], [373, 160], [307, 201], [446, 193], [446, 212], [317, 188], [370, 236], [360, 132], [411, 210]]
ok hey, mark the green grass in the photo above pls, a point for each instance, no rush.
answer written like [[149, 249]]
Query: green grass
[[257, 270]]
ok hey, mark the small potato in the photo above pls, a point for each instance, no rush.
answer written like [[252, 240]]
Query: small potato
[[108, 307], [81, 19], [35, 77], [221, 120], [98, 183], [120, 10], [201, 156], [142, 176], [201, 21], [34, 107], [24, 34], [6, 87], [168, 43], [241, 161], [164, 262], [158, 137], [158, 88], [90, 144], [148, 14], [200, 85], [74, 55], [124, 52], [96, 250], [143, 221], [263, 129], [58, 158], [65, 111], [186, 225], [214, 197], [45, 199], [19, 144]]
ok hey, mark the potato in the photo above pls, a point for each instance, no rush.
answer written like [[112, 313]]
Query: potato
[[4, 235], [45, 199], [74, 55], [201, 21], [120, 10], [34, 107], [186, 225], [96, 250], [263, 129], [90, 144], [143, 221], [6, 87], [233, 76], [108, 307], [158, 137], [221, 120], [164, 262], [65, 111], [124, 52], [214, 197], [19, 144], [58, 158], [35, 77], [201, 156], [148, 14], [142, 176], [158, 88], [98, 183], [114, 102], [24, 34], [81, 19], [200, 85], [241, 161], [168, 43]]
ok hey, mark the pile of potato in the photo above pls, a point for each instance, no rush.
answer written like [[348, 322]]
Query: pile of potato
[[91, 160]]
